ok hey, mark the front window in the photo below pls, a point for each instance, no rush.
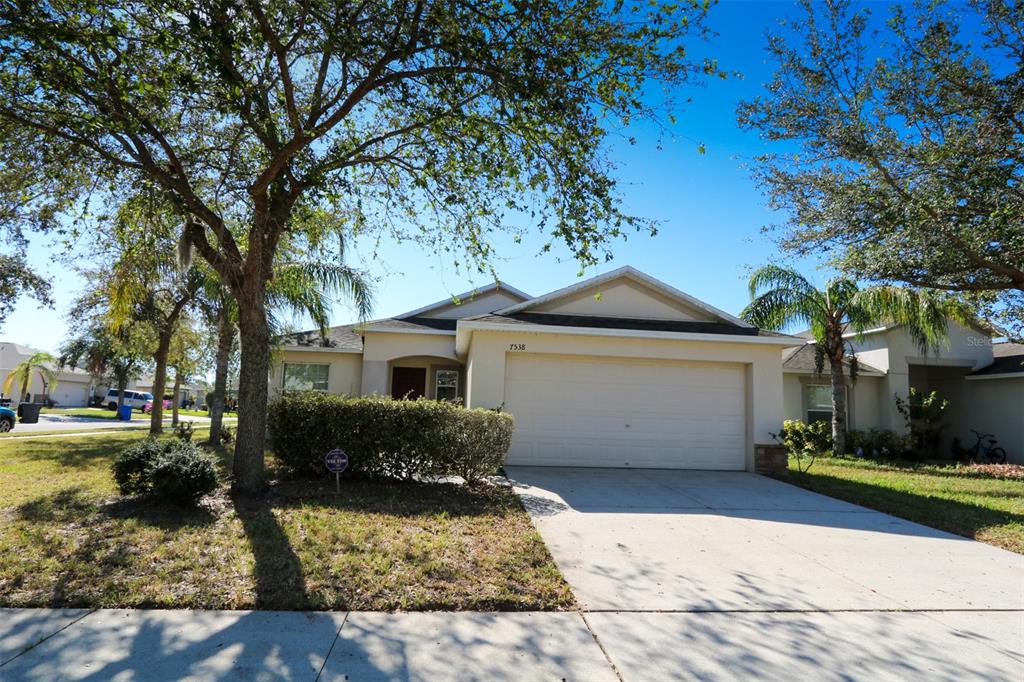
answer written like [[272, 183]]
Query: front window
[[818, 398], [447, 387], [305, 377], [147, 396]]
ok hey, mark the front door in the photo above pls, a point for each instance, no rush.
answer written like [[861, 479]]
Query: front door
[[408, 382]]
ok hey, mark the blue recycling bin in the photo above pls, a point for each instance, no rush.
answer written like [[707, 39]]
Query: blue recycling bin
[[124, 413]]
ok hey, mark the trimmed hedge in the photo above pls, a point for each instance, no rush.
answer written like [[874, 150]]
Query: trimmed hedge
[[170, 470], [387, 438]]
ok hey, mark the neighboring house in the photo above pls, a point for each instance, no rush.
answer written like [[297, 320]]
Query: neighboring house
[[74, 386], [191, 390], [984, 383], [621, 370]]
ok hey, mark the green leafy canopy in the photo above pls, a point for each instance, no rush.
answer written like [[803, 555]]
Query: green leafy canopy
[[899, 144]]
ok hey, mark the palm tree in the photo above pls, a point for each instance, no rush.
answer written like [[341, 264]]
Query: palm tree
[[298, 287], [41, 363], [781, 297]]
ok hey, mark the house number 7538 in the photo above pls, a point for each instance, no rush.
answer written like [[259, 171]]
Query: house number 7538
[[517, 346]]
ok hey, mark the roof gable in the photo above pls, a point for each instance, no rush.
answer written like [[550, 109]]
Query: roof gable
[[625, 293], [476, 302]]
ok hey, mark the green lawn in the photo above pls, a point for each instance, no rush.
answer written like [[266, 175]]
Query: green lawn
[[67, 539], [91, 412], [951, 499]]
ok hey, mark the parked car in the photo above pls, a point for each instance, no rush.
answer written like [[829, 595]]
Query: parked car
[[7, 419], [148, 407], [137, 399]]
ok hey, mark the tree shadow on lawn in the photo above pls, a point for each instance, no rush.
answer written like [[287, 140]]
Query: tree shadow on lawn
[[280, 580], [938, 512], [279, 575], [399, 498]]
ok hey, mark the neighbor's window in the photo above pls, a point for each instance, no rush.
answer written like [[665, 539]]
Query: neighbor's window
[[447, 387], [304, 377], [819, 402]]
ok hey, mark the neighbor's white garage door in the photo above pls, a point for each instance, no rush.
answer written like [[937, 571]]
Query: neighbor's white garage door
[[612, 412]]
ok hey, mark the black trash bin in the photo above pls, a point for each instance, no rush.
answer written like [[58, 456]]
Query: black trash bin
[[29, 412]]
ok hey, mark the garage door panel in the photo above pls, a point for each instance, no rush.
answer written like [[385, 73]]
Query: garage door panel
[[584, 411]]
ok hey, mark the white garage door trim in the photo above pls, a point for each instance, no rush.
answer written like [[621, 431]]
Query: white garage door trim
[[626, 412]]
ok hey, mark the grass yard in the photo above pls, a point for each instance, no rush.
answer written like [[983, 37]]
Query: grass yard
[[955, 500], [67, 539], [91, 413]]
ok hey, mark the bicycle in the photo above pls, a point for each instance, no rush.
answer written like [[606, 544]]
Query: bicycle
[[992, 454]]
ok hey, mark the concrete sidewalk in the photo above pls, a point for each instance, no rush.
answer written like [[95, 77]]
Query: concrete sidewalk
[[41, 644]]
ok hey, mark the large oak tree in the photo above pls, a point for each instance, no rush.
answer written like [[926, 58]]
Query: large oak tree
[[899, 144], [436, 120]]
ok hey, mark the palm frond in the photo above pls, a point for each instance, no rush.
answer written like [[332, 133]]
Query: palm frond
[[925, 314], [307, 287], [777, 277], [780, 308]]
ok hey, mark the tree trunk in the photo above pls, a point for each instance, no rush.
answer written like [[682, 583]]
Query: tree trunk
[[175, 396], [838, 407], [163, 349], [225, 335], [252, 386], [122, 386]]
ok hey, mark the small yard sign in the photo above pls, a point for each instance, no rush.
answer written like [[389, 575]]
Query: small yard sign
[[336, 462]]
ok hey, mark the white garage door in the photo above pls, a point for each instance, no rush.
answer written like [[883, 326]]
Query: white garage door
[[611, 412]]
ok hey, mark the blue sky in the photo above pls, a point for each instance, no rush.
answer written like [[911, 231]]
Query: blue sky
[[711, 213]]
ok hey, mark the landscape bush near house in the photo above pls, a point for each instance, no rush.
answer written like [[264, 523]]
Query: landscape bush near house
[[173, 471], [876, 443], [803, 438], [815, 439], [386, 438], [925, 416]]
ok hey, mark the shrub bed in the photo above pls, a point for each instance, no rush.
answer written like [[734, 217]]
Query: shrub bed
[[169, 470], [387, 438]]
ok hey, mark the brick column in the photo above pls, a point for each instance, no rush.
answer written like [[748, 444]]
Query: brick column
[[771, 460]]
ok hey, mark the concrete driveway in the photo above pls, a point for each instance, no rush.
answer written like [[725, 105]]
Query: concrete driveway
[[725, 575]]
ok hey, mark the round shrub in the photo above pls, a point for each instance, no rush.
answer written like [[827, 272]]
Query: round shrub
[[131, 466], [168, 470], [183, 474], [387, 438]]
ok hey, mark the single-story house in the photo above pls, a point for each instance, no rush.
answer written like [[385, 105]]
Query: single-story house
[[983, 382], [621, 370], [74, 386]]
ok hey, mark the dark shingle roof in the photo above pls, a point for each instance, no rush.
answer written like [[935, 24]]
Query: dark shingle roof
[[341, 338], [802, 360], [1008, 358], [348, 337], [413, 324], [624, 323]]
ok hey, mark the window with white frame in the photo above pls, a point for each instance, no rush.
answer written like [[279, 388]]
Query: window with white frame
[[818, 399], [300, 376], [446, 384]]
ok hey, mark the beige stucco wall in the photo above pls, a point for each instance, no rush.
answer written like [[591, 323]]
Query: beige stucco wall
[[478, 304], [381, 348], [894, 350], [623, 298], [996, 406], [344, 375], [489, 349]]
